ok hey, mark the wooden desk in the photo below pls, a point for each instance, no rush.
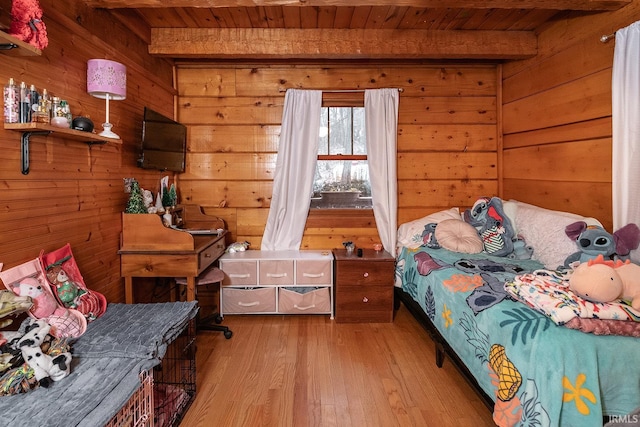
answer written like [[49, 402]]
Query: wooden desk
[[149, 249]]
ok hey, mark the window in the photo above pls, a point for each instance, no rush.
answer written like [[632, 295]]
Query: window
[[342, 173]]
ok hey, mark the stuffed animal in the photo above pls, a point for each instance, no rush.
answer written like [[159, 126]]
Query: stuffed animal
[[67, 290], [44, 303], [429, 236], [594, 240], [43, 359], [494, 227], [27, 24], [521, 250], [11, 305], [600, 280], [238, 247]]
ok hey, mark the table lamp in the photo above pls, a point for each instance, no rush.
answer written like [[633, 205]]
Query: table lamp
[[107, 80]]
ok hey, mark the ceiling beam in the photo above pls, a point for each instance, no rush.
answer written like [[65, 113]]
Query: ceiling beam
[[454, 4], [262, 43]]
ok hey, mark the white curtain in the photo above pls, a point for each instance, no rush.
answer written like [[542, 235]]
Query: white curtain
[[295, 166], [626, 127], [381, 123]]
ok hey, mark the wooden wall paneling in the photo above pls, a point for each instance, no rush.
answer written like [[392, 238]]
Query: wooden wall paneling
[[572, 30], [206, 82], [431, 166], [584, 198], [597, 128], [414, 80], [251, 222], [557, 116], [444, 137], [232, 110], [461, 110], [233, 138], [230, 193], [231, 166], [586, 161], [586, 58], [579, 100], [443, 193]]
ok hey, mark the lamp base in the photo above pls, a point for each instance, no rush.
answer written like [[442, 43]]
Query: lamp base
[[107, 133]]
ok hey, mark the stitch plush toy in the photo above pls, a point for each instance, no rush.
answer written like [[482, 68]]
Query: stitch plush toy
[[494, 227], [429, 236], [600, 280], [27, 24], [594, 240]]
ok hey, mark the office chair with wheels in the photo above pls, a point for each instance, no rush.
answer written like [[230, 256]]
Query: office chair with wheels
[[211, 276]]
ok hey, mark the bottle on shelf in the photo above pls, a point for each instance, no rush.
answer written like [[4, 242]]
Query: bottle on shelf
[[34, 96], [25, 103], [43, 113], [11, 102]]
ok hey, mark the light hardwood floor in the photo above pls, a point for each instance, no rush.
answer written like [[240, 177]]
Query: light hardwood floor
[[310, 371]]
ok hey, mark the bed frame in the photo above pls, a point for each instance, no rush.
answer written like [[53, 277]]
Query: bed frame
[[442, 347]]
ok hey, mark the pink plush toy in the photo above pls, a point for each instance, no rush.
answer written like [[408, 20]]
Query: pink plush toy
[[44, 303], [598, 280]]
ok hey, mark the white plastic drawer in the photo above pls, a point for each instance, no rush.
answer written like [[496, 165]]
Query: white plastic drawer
[[276, 272], [316, 301], [313, 272], [256, 300], [239, 272]]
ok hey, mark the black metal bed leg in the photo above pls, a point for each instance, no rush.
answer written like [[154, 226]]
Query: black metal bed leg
[[439, 355]]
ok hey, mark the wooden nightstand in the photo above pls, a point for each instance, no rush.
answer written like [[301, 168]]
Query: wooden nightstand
[[364, 286]]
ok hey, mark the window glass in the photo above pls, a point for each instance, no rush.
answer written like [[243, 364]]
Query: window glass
[[342, 173]]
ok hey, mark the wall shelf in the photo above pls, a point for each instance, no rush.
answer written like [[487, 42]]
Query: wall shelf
[[34, 129], [13, 46]]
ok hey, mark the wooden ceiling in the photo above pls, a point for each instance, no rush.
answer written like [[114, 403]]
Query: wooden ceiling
[[346, 29]]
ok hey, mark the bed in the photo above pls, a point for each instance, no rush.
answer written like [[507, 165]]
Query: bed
[[529, 369]]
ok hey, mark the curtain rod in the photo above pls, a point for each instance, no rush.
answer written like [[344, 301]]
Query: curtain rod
[[606, 37], [343, 90]]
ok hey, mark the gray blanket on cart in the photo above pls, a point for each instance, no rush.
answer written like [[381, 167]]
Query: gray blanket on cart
[[107, 360]]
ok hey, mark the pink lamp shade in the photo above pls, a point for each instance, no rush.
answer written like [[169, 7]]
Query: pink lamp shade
[[107, 80], [106, 77]]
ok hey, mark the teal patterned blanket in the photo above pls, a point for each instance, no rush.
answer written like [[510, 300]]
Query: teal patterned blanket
[[538, 373]]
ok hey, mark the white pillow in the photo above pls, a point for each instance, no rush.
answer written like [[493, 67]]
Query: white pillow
[[410, 233], [543, 229], [458, 236]]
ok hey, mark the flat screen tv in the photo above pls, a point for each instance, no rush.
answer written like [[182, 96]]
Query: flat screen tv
[[164, 143]]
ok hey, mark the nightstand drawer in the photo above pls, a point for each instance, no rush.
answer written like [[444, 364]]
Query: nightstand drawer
[[364, 273], [358, 303], [239, 272], [276, 272], [256, 300]]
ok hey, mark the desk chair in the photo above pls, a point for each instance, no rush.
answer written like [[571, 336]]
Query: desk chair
[[211, 322]]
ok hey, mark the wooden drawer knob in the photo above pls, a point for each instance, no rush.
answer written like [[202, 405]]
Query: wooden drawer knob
[[365, 299], [365, 275]]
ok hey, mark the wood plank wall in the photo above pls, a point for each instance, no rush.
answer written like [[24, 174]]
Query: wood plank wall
[[557, 117], [447, 143], [74, 193]]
